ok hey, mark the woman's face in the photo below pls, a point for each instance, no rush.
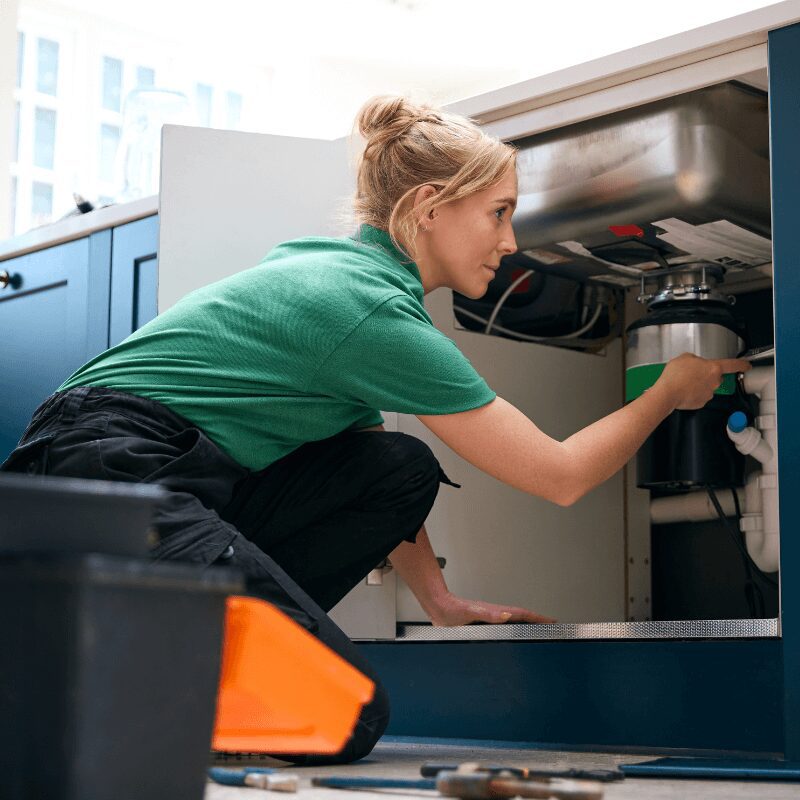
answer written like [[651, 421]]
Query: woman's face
[[466, 239]]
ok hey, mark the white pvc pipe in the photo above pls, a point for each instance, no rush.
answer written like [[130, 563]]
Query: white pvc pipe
[[692, 507], [759, 498], [759, 521], [750, 442]]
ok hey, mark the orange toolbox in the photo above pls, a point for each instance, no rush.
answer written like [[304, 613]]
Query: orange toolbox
[[281, 690]]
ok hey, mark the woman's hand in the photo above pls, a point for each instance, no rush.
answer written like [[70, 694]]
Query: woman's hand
[[691, 380], [452, 610]]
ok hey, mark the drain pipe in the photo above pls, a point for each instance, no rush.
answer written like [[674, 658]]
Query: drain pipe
[[692, 507], [759, 498], [760, 518]]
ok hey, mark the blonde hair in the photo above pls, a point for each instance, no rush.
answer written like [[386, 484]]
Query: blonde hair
[[413, 145]]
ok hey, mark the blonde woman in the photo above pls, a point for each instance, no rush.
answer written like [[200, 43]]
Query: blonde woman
[[255, 400]]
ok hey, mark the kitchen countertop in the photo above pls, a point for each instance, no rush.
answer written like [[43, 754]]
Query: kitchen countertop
[[76, 227]]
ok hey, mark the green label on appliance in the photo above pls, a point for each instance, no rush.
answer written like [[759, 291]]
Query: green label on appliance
[[639, 379]]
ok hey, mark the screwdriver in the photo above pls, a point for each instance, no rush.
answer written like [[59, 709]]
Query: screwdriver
[[257, 777]]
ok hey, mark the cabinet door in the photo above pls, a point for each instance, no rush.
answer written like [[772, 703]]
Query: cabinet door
[[134, 277], [53, 318], [227, 198]]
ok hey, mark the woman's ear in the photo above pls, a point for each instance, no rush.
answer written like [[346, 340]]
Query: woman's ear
[[422, 194]]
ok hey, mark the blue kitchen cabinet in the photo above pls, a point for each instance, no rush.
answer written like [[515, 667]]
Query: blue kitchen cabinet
[[53, 318], [65, 304], [134, 277]]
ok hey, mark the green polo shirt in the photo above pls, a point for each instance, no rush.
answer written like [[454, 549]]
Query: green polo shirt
[[317, 338]]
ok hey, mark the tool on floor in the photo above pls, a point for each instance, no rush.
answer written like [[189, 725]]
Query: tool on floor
[[431, 769], [258, 777], [469, 783]]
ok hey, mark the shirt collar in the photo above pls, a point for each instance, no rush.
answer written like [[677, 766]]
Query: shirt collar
[[367, 234]]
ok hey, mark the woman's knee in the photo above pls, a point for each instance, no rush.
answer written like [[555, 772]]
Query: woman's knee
[[414, 459], [369, 728]]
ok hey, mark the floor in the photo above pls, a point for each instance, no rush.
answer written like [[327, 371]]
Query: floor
[[402, 759]]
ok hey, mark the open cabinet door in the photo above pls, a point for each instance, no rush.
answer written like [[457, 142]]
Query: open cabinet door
[[226, 199]]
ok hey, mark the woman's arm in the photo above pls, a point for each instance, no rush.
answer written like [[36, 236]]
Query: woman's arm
[[417, 566], [501, 441]]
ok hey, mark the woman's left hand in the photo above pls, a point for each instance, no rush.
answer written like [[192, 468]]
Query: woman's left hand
[[454, 610]]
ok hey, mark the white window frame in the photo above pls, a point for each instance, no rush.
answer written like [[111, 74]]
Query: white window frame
[[34, 28]]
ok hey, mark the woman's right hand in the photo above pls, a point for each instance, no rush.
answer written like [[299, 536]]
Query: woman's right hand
[[691, 380]]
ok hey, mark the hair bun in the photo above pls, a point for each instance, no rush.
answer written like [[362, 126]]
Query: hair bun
[[386, 118]]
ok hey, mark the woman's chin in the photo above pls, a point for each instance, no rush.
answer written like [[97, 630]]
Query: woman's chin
[[479, 292]]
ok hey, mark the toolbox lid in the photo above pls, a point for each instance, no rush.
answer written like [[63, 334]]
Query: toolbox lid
[[74, 515]]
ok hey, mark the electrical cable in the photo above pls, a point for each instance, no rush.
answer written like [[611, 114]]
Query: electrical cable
[[752, 593], [499, 304], [567, 341], [490, 323], [735, 535], [587, 327]]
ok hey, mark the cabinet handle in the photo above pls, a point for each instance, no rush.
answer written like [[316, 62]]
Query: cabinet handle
[[5, 278]]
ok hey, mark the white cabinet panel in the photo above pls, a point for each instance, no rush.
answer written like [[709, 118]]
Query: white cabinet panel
[[227, 198], [501, 544]]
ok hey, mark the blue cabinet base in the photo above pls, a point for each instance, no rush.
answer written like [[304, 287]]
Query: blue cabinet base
[[726, 769], [710, 695]]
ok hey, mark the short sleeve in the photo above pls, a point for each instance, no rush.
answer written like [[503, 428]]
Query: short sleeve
[[396, 360]]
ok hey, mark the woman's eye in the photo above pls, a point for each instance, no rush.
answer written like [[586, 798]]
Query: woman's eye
[[500, 212]]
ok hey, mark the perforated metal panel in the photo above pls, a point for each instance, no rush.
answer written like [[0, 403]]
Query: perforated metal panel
[[692, 629]]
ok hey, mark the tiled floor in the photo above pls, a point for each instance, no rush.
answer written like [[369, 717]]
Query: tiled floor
[[403, 760]]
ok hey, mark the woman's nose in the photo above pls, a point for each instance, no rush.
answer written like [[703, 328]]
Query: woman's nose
[[508, 245]]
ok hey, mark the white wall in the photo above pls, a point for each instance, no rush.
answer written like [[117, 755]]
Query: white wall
[[501, 544]]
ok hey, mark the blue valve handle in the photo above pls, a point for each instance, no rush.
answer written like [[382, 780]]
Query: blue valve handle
[[737, 421]]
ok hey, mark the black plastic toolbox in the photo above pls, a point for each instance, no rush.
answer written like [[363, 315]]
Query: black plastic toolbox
[[108, 676]]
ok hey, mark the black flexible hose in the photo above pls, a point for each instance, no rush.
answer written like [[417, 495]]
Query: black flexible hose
[[735, 535]]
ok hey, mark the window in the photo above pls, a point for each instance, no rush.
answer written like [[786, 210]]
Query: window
[[20, 56], [15, 135], [12, 222], [145, 77], [41, 202], [44, 138], [112, 84], [234, 110], [203, 96], [47, 67], [109, 141], [74, 70]]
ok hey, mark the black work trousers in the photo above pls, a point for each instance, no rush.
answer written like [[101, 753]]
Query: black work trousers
[[303, 531]]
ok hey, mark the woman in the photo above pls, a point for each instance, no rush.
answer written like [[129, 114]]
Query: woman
[[254, 400]]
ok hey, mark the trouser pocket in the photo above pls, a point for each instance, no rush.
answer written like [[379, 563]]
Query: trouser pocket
[[30, 457]]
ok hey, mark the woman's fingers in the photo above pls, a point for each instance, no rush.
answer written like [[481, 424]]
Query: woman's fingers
[[460, 611], [731, 365], [524, 615], [692, 380]]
